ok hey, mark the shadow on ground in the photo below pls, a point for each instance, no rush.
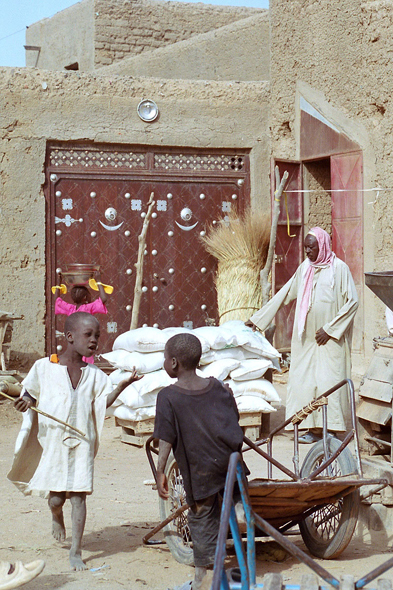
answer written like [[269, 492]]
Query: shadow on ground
[[112, 540]]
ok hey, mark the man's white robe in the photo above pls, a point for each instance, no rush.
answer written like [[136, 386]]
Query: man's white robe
[[315, 369], [49, 456]]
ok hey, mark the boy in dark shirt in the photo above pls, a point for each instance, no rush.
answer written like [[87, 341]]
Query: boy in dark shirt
[[199, 419]]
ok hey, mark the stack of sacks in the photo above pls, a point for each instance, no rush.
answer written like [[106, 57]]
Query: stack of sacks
[[232, 353], [242, 363]]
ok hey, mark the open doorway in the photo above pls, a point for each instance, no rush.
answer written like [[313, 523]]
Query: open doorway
[[317, 198]]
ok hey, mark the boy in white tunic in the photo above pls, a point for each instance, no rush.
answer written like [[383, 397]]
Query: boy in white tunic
[[52, 460]]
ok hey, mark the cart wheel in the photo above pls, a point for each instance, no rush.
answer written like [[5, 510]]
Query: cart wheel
[[327, 531], [176, 533]]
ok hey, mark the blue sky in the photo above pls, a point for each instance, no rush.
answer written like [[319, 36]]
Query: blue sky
[[16, 15]]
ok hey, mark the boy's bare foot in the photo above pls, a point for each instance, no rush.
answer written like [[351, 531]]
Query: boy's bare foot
[[56, 503], [58, 528], [77, 564]]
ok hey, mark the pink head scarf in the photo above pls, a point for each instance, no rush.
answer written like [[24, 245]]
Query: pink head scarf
[[324, 259]]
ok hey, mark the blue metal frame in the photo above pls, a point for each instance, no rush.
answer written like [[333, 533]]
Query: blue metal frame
[[247, 561]]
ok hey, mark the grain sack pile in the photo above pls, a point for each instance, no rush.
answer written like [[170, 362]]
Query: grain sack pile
[[232, 353]]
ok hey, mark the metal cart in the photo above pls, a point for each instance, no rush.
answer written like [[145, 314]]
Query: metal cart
[[322, 497]]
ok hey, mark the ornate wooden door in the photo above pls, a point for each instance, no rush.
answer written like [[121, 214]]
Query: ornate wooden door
[[289, 248], [95, 216], [347, 225], [181, 278]]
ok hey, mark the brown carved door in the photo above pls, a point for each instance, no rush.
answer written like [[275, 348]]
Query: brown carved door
[[289, 245], [96, 217], [97, 221], [347, 225], [181, 277]]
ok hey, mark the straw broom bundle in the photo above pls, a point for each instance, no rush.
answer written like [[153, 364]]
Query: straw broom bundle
[[240, 246]]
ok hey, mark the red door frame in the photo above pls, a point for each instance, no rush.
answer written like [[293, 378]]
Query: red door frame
[[289, 245]]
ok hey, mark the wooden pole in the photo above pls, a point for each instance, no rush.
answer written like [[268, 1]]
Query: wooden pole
[[264, 274], [2, 384], [139, 265]]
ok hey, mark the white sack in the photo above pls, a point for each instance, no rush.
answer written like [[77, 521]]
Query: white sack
[[141, 340], [219, 369], [172, 331], [219, 337], [125, 413], [169, 332], [116, 376], [251, 369], [152, 382], [207, 357], [144, 363], [253, 404], [131, 398], [257, 386], [254, 341], [389, 321], [236, 353]]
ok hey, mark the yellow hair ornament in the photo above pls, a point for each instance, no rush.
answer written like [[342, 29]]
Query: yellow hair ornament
[[62, 287], [94, 285]]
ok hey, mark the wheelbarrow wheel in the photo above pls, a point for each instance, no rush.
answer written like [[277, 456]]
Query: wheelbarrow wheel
[[328, 530], [177, 532]]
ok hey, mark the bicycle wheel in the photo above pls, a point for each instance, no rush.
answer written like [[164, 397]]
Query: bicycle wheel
[[177, 533], [327, 532]]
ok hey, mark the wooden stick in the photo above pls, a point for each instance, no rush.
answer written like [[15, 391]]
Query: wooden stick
[[42, 413], [139, 265], [264, 274]]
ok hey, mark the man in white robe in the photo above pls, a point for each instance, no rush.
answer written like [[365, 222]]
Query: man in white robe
[[322, 334]]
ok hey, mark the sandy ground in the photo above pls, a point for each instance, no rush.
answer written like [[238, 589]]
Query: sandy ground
[[120, 512]]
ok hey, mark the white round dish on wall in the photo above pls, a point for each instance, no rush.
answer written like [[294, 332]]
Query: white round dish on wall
[[147, 110]]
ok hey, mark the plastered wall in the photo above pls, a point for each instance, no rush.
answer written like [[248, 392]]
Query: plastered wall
[[95, 33], [317, 203], [128, 27], [37, 106], [239, 51], [64, 39], [337, 53]]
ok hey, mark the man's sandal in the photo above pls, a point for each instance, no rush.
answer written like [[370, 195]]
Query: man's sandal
[[13, 576], [309, 438]]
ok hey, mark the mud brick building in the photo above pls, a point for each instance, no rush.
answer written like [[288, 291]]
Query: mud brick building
[[305, 85]]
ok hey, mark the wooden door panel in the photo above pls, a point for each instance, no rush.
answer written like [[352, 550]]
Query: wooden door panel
[[289, 248], [347, 225], [347, 184], [182, 271], [347, 245], [85, 235]]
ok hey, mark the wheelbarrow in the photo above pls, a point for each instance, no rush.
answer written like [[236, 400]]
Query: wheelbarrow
[[322, 498]]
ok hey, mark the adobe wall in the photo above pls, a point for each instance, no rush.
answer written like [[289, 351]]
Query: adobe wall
[[38, 106], [238, 51], [337, 54], [128, 27], [65, 38], [95, 33]]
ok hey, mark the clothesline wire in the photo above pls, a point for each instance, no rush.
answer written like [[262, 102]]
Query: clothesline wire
[[12, 34], [339, 190], [24, 28]]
